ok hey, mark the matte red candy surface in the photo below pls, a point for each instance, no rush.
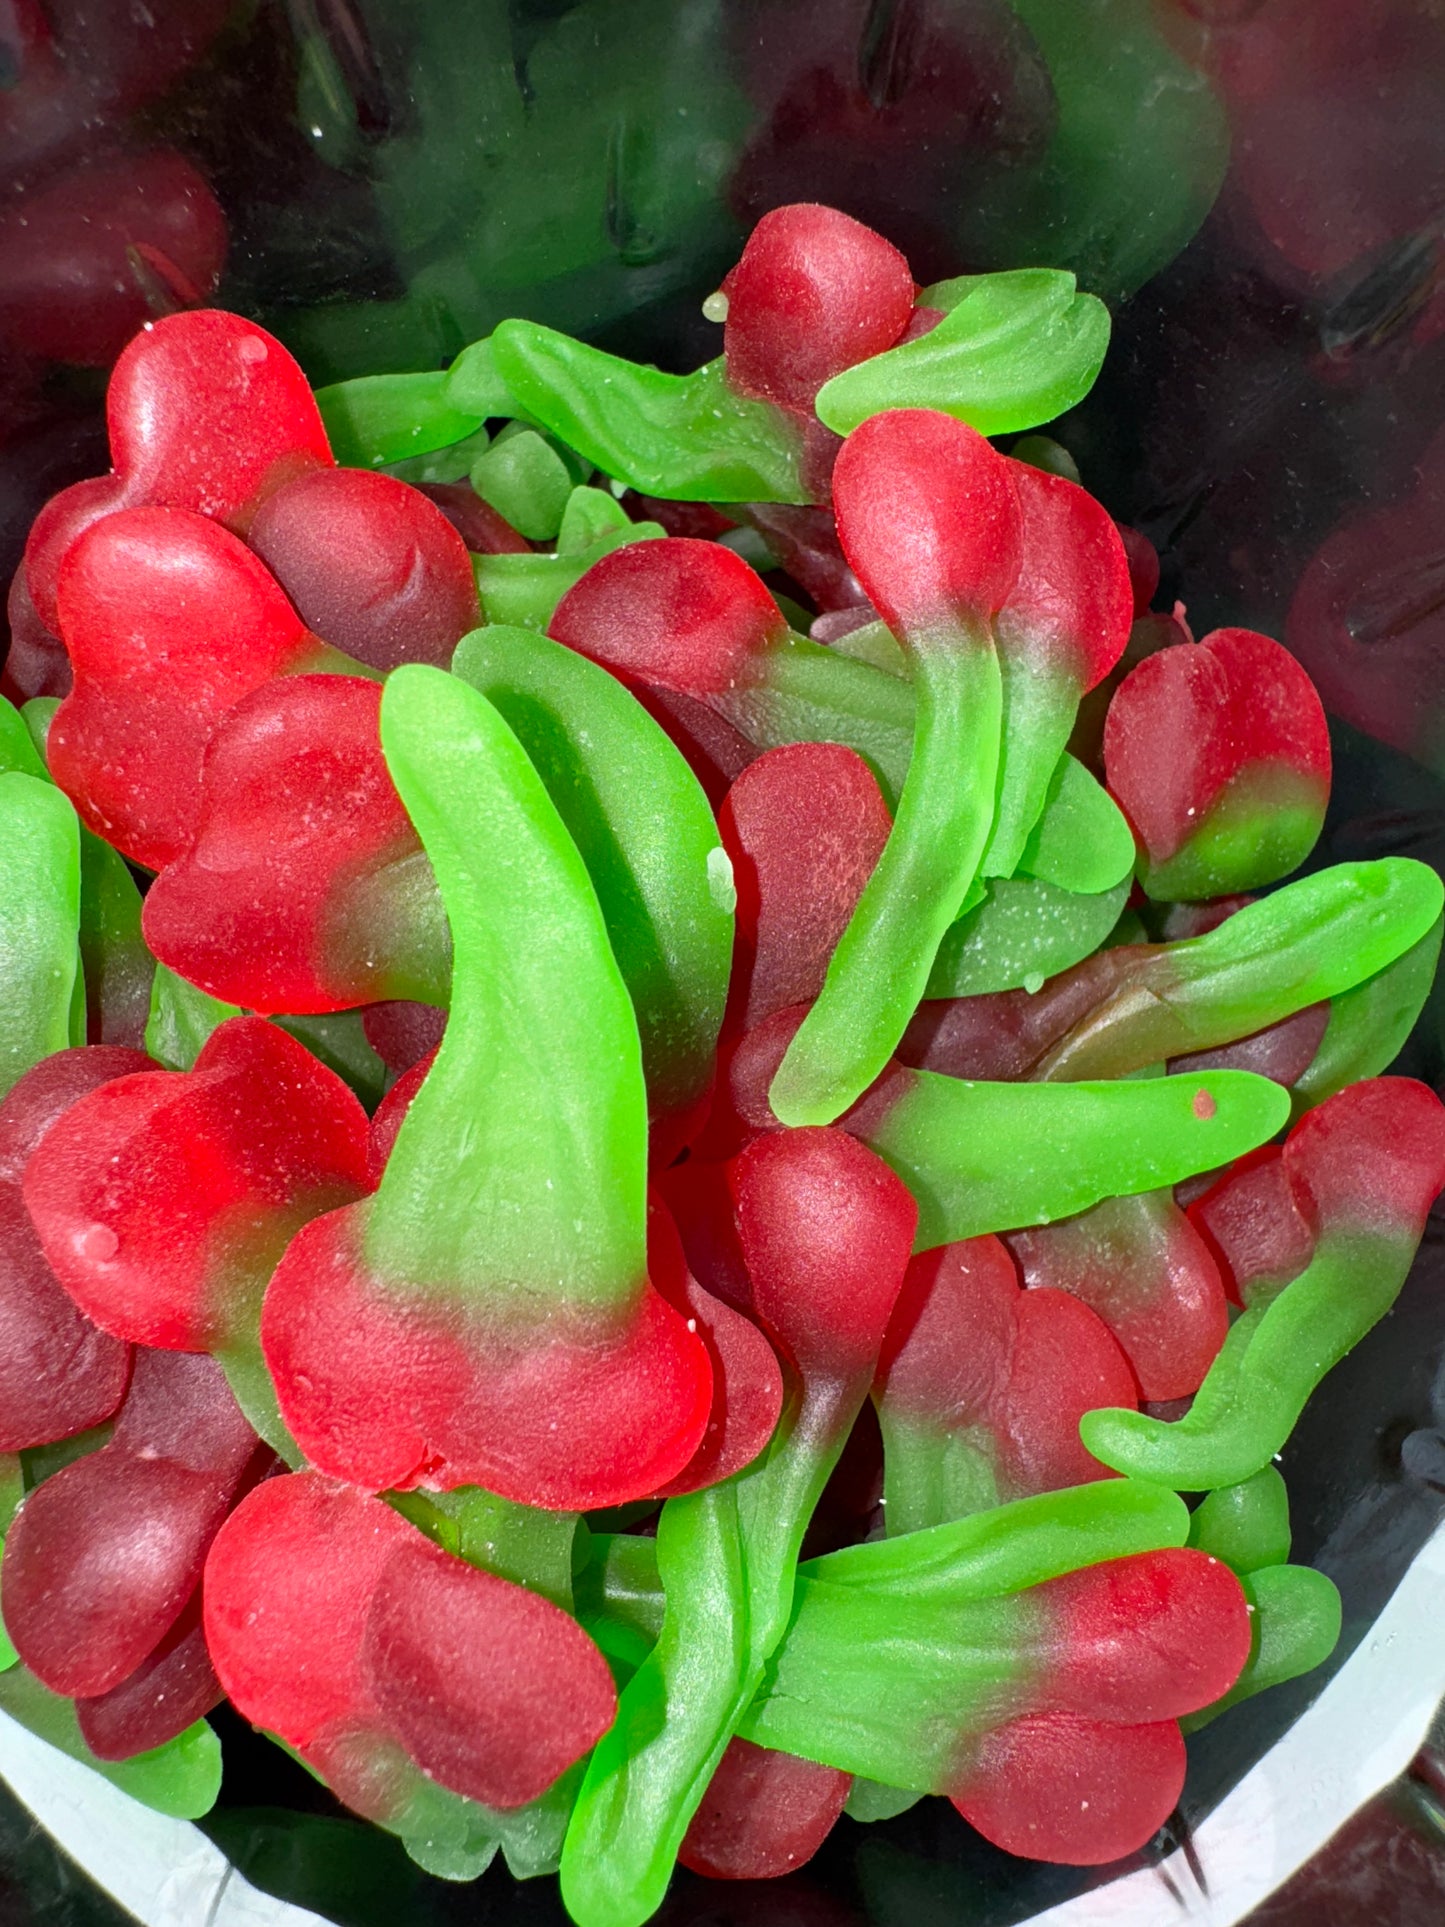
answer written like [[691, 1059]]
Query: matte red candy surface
[[1252, 1225], [164, 1199], [826, 1230], [764, 1814], [684, 614], [813, 293], [929, 518], [168, 620], [171, 1688], [59, 1374], [305, 887], [1372, 1157], [207, 411], [371, 565], [803, 826], [58, 526], [102, 1557], [1071, 607]]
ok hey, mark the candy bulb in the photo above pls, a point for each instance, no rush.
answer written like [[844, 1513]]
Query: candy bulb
[[764, 1814]]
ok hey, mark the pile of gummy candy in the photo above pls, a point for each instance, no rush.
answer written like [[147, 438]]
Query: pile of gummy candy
[[654, 1115]]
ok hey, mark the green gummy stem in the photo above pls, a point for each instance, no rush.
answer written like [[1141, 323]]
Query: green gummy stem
[[1246, 1525], [810, 694], [879, 970], [1295, 1625], [39, 922], [181, 1778], [1080, 841], [726, 1559], [379, 419], [473, 385], [523, 590], [898, 1651], [523, 1156], [1369, 1024], [526, 481], [981, 1157], [934, 1472], [1274, 1357], [18, 749], [689, 438], [645, 831], [1023, 932], [527, 1544], [1039, 707], [1308, 941], [590, 514], [1013, 350], [253, 1388]]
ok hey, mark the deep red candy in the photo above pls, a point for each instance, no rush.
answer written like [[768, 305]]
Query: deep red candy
[[929, 518], [747, 1382], [686, 615], [59, 1374], [492, 1689], [1143, 567], [35, 663], [764, 1814], [102, 1557], [208, 412], [371, 565], [1230, 723], [79, 248], [1081, 1792], [826, 1230], [390, 1114], [171, 1688], [1250, 1222], [168, 620], [482, 529], [1371, 1157], [163, 1199], [814, 293], [402, 1033], [1282, 1051], [304, 887], [803, 826], [1071, 607]]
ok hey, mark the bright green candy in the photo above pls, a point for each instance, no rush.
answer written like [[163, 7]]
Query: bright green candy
[[982, 1157], [18, 749], [522, 591], [646, 833], [1247, 1525], [1023, 931], [1368, 1024], [1274, 1357], [537, 1092], [474, 385], [811, 694], [181, 1778], [39, 923], [893, 1645], [1296, 1616], [689, 438], [526, 481], [451, 464], [1012, 350], [380, 419], [1310, 940], [1081, 841], [880, 966], [590, 514], [524, 1543]]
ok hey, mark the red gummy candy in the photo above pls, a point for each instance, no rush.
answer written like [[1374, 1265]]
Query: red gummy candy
[[371, 565], [803, 825], [102, 1558], [747, 1382], [1142, 1266], [334, 1623], [482, 529], [969, 1351], [170, 1689], [764, 1814], [59, 1374], [305, 887], [1250, 1223], [825, 1229], [1071, 606], [55, 530], [208, 412], [1219, 755], [1143, 560], [929, 518], [80, 249], [403, 1033], [164, 1199], [1080, 1792], [682, 614], [814, 293], [168, 620]]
